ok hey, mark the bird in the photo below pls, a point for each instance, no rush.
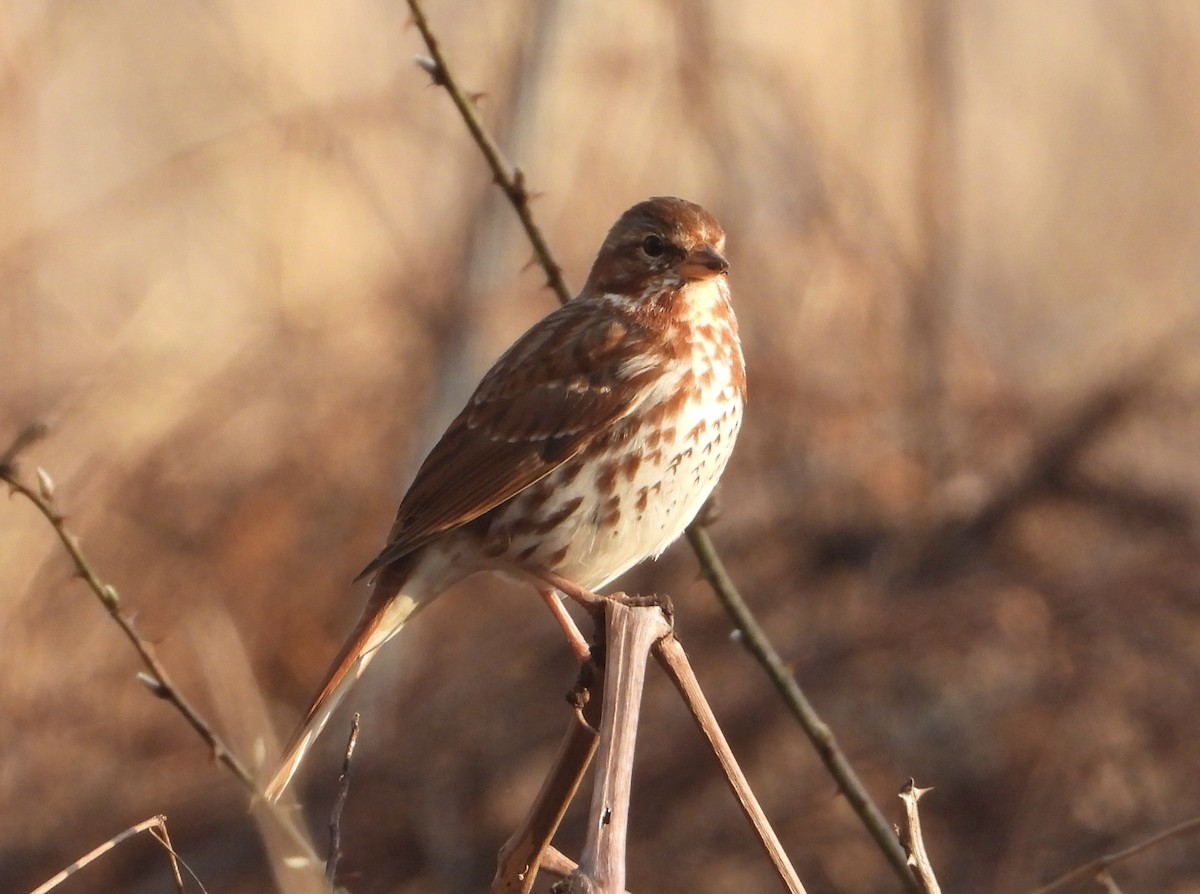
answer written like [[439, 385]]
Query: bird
[[588, 447]]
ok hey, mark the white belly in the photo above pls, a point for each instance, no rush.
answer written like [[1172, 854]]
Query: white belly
[[638, 500]]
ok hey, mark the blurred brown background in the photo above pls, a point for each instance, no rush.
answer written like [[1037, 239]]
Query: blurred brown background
[[250, 264]]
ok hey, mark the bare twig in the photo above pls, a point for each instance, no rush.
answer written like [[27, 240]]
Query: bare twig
[[160, 832], [508, 176], [914, 842], [1103, 863], [339, 803], [630, 632], [157, 680], [156, 826], [756, 642], [527, 849], [674, 661]]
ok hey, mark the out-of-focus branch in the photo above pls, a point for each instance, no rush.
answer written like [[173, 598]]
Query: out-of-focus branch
[[1053, 464], [157, 680], [1102, 864], [512, 182], [914, 842]]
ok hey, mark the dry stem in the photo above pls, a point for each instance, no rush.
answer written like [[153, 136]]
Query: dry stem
[[528, 848], [156, 826], [507, 175], [914, 842], [630, 632], [671, 656], [339, 803]]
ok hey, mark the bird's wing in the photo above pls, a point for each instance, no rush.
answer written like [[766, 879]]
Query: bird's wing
[[568, 379]]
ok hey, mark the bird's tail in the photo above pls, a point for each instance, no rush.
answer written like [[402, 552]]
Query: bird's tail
[[384, 616]]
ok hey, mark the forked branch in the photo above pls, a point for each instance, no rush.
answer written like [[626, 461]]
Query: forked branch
[[156, 826]]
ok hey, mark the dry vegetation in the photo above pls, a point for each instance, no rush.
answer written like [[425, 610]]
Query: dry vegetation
[[250, 264]]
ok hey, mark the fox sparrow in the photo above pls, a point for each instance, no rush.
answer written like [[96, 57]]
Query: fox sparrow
[[588, 447]]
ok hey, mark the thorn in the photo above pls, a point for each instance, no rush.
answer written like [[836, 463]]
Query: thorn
[[429, 65], [45, 485], [157, 689], [110, 596], [475, 95]]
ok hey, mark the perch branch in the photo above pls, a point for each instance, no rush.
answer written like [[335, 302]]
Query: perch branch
[[630, 632]]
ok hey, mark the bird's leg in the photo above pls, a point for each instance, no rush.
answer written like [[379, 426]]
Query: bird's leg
[[575, 640], [593, 602]]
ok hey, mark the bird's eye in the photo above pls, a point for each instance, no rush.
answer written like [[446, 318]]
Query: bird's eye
[[653, 246]]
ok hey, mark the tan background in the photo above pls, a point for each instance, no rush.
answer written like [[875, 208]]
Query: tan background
[[250, 264]]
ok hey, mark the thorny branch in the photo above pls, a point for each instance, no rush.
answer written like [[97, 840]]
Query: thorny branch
[[508, 176], [914, 841], [157, 680], [512, 182], [755, 639]]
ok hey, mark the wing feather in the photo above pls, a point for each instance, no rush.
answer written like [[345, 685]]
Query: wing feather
[[563, 382]]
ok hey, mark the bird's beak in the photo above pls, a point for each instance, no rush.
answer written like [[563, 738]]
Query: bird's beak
[[702, 263]]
